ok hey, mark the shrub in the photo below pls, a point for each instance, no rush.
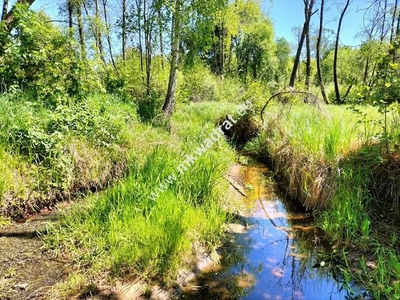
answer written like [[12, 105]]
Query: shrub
[[198, 85], [37, 58]]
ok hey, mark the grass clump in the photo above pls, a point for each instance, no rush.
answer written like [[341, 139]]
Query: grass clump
[[148, 224], [305, 144], [49, 154], [341, 162]]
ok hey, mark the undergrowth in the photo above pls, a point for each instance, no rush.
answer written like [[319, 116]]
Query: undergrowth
[[48, 154], [341, 162], [126, 231]]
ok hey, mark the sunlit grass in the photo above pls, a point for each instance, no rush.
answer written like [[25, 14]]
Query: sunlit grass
[[328, 158], [326, 133], [125, 231], [73, 147]]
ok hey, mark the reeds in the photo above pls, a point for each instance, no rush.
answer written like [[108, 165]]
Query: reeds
[[342, 163]]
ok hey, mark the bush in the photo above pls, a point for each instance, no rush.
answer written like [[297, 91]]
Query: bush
[[198, 85], [38, 59]]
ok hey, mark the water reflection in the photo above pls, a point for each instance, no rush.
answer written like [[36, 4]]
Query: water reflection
[[274, 257]]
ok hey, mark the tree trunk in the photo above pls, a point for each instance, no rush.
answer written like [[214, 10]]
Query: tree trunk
[[222, 49], [297, 59], [70, 16], [308, 59], [108, 35], [8, 17], [307, 14], [366, 70], [160, 33], [5, 9], [123, 25], [80, 31], [140, 36], [335, 77], [99, 41], [383, 32], [318, 54], [169, 103], [393, 32], [147, 45]]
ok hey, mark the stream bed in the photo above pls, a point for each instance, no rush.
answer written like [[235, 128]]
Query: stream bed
[[275, 251]]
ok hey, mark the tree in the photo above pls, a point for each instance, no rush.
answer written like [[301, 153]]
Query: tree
[[335, 75], [256, 52], [123, 29], [395, 15], [98, 32], [108, 34], [283, 55], [8, 17], [170, 98], [42, 61], [308, 6], [184, 14], [5, 9], [78, 6], [318, 53]]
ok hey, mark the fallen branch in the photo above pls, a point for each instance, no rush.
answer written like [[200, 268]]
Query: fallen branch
[[311, 95], [235, 186]]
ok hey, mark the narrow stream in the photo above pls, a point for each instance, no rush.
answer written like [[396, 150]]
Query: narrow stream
[[272, 253]]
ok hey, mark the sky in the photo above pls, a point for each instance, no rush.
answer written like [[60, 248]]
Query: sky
[[285, 14]]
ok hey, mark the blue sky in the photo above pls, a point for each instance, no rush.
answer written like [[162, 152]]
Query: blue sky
[[287, 14]]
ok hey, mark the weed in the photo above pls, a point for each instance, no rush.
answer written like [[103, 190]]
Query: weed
[[123, 230]]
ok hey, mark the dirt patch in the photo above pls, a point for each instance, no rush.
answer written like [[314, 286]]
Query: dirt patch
[[27, 270]]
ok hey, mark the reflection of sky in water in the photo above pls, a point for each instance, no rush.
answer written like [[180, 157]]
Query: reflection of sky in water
[[285, 273], [279, 254], [273, 258]]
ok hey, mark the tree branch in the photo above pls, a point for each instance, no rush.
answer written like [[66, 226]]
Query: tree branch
[[288, 92], [10, 15]]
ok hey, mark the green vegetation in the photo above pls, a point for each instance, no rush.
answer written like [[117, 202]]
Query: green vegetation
[[50, 153], [125, 231], [76, 117], [335, 161]]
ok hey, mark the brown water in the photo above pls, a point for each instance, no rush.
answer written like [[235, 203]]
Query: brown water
[[272, 252]]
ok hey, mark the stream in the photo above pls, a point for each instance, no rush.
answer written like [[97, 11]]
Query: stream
[[274, 252]]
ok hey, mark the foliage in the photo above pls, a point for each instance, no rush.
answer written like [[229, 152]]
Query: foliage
[[41, 61], [198, 84], [124, 230], [347, 73], [61, 150], [129, 84]]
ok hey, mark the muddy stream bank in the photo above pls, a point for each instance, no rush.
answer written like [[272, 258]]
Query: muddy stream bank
[[27, 270], [273, 251]]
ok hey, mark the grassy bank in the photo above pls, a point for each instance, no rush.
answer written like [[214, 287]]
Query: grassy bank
[[49, 154], [128, 229], [342, 163]]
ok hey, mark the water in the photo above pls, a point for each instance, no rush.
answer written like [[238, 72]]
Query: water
[[272, 253]]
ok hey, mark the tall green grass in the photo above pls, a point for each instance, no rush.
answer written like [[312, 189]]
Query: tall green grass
[[51, 153], [125, 231], [329, 158], [326, 133]]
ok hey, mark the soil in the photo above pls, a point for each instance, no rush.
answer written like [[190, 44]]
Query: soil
[[27, 270]]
